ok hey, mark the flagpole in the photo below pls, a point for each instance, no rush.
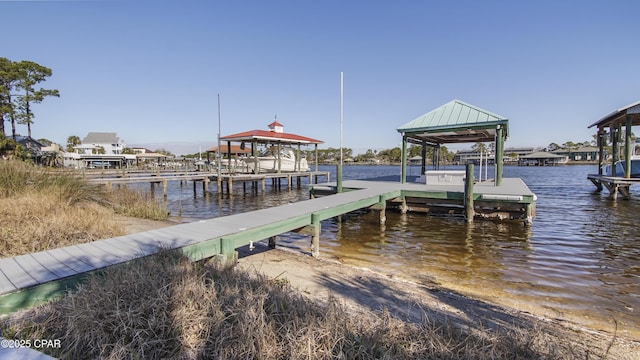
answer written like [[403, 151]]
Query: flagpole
[[218, 154], [339, 174]]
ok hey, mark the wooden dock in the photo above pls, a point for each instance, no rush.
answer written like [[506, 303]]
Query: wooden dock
[[30, 279], [615, 185], [224, 182]]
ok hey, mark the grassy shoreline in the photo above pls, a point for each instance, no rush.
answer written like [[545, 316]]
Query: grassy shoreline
[[165, 306]]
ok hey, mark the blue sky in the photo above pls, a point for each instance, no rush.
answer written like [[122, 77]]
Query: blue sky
[[151, 70]]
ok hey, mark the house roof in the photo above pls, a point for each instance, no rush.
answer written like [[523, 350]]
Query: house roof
[[264, 136], [455, 122], [542, 155], [274, 124], [152, 155], [101, 138]]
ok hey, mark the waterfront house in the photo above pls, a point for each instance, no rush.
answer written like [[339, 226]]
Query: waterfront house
[[588, 153], [542, 158], [101, 142]]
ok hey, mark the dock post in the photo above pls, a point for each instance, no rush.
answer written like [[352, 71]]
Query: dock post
[[529, 214], [315, 238], [468, 194], [206, 186], [382, 205], [227, 255], [164, 188]]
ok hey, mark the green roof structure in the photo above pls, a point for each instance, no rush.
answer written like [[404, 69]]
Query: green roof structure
[[456, 122]]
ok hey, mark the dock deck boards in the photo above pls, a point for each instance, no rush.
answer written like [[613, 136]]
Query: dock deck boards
[[21, 273]]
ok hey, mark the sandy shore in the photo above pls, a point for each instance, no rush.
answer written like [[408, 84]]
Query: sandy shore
[[360, 288]]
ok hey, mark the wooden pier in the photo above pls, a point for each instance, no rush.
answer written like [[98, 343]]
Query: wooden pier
[[224, 182], [30, 279], [615, 185]]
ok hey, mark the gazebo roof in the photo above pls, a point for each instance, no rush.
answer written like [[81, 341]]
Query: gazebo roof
[[263, 136], [235, 149], [620, 116], [455, 122]]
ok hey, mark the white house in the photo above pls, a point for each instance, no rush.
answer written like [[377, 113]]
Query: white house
[[109, 141]]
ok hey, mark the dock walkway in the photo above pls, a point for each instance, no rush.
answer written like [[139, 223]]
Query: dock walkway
[[30, 279], [614, 184]]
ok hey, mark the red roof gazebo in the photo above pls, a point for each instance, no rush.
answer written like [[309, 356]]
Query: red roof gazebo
[[274, 136]]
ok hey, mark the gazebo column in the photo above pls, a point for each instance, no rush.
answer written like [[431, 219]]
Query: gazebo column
[[316, 158], [423, 154], [279, 160], [614, 149], [498, 156], [600, 142], [403, 160], [628, 149]]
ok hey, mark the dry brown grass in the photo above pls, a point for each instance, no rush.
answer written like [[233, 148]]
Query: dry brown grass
[[40, 221], [132, 203], [168, 307], [42, 210]]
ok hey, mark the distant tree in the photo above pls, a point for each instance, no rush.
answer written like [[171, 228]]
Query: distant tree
[[7, 145], [553, 147], [479, 147], [30, 74], [391, 155], [163, 151], [9, 76], [45, 142], [73, 141], [128, 151]]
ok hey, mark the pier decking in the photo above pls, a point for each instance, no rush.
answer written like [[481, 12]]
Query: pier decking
[[29, 279], [224, 181]]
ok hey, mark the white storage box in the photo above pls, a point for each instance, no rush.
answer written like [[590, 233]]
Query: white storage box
[[445, 177]]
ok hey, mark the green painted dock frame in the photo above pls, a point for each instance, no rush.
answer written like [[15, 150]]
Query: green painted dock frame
[[31, 279], [609, 128]]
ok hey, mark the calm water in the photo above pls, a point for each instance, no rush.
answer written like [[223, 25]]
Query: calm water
[[580, 260]]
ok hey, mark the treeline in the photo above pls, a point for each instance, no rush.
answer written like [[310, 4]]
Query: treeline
[[18, 94], [393, 155]]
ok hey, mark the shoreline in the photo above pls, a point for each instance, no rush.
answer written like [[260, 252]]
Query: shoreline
[[362, 288]]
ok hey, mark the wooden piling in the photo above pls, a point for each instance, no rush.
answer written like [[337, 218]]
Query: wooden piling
[[315, 238], [468, 194]]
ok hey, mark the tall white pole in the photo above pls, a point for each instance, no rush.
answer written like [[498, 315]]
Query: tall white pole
[[218, 153], [339, 174]]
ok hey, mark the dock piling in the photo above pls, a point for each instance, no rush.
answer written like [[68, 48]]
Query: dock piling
[[469, 213], [315, 238]]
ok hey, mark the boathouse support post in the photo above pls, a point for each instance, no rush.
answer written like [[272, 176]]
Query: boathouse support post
[[614, 149], [498, 155], [468, 194], [423, 155], [164, 188], [628, 150], [315, 158], [315, 237], [403, 160], [600, 141]]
